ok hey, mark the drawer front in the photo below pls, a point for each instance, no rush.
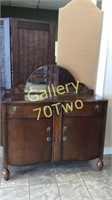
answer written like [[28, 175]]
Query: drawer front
[[88, 109], [27, 110]]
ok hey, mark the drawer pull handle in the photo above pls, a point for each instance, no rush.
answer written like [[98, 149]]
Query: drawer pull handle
[[65, 138], [48, 134], [64, 128], [97, 107], [48, 139], [15, 109]]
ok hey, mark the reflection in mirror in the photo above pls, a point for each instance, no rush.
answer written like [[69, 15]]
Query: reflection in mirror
[[37, 81], [47, 75]]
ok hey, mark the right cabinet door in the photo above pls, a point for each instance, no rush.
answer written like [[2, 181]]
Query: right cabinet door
[[81, 138], [82, 135]]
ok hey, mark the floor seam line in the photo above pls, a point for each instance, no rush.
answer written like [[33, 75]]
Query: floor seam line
[[86, 187], [57, 182]]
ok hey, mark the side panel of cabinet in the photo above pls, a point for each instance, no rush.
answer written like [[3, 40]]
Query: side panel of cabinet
[[81, 138], [28, 141]]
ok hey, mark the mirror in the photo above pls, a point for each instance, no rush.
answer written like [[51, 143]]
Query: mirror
[[47, 75], [49, 81]]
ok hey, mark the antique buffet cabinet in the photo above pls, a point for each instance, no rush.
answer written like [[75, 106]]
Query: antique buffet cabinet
[[47, 115]]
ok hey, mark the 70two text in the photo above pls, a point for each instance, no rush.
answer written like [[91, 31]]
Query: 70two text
[[48, 111]]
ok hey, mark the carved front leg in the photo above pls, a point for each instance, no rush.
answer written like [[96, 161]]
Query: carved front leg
[[100, 164], [6, 174]]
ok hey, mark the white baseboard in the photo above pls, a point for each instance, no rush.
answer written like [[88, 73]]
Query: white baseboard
[[107, 150]]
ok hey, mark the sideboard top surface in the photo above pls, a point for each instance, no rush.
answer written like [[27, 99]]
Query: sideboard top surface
[[23, 98]]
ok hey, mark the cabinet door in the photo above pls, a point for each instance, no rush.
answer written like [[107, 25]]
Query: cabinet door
[[81, 138], [29, 141]]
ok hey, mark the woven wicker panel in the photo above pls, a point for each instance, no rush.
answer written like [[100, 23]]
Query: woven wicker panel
[[32, 47], [33, 51]]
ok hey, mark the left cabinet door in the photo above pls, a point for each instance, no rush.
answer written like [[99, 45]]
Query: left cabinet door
[[29, 141]]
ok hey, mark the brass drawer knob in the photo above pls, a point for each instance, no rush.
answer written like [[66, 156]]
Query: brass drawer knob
[[97, 107], [15, 109]]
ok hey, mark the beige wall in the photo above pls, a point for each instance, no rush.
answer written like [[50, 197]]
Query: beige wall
[[79, 33]]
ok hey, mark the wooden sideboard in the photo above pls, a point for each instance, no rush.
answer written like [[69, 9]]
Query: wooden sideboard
[[57, 136], [60, 133]]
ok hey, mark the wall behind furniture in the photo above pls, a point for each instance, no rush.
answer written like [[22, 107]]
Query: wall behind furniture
[[79, 35], [104, 79], [0, 8], [30, 13], [1, 66]]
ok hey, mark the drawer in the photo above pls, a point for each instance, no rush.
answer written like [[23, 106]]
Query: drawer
[[27, 110], [88, 109]]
